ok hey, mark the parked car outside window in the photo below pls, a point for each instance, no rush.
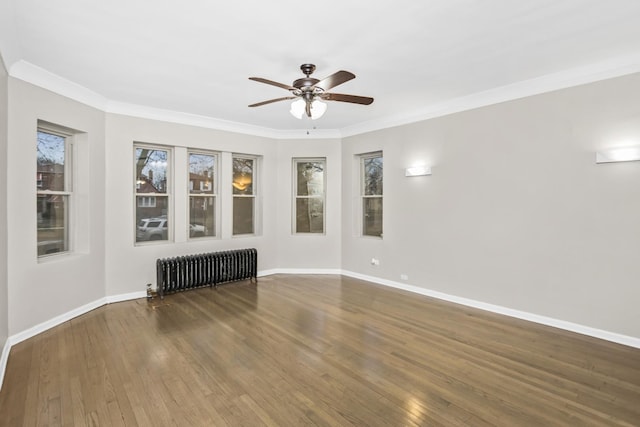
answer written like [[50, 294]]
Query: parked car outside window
[[152, 229], [197, 230]]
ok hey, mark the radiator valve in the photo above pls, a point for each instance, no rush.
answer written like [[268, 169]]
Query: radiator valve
[[149, 292]]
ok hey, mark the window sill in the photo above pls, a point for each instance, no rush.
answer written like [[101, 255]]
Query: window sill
[[60, 257]]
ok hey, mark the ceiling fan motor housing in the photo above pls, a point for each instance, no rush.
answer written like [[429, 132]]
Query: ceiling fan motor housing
[[306, 84], [307, 69]]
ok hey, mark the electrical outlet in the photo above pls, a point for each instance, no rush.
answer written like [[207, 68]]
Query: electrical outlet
[[404, 277], [375, 261]]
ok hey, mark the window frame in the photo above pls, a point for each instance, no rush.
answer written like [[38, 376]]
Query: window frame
[[67, 193], [364, 197], [168, 194], [253, 195], [296, 196], [215, 190]]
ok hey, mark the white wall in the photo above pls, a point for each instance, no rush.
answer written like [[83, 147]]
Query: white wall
[[129, 268], [40, 291], [309, 251], [516, 213], [4, 304]]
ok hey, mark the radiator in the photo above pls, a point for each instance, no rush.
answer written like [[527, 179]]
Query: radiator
[[195, 271]]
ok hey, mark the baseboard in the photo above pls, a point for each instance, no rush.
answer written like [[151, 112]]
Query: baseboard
[[548, 321], [58, 320], [264, 273], [543, 320], [37, 329], [4, 359], [126, 297], [300, 271]]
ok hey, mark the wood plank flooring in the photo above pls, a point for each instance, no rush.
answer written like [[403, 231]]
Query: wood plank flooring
[[314, 350]]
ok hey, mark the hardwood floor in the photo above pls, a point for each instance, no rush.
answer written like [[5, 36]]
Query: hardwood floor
[[314, 350]]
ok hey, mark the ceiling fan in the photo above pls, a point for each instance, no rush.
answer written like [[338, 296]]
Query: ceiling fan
[[310, 91]]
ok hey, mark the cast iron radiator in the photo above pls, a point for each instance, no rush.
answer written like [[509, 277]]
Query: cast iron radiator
[[195, 271]]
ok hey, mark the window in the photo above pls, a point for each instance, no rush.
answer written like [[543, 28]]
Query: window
[[54, 190], [146, 202], [371, 190], [202, 194], [244, 195], [152, 193], [308, 184]]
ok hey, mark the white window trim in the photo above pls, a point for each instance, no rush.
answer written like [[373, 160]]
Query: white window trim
[[69, 227], [323, 196], [363, 197], [254, 195], [214, 192], [168, 195]]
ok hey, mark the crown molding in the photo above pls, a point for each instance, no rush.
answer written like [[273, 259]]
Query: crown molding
[[45, 79], [151, 113], [616, 67]]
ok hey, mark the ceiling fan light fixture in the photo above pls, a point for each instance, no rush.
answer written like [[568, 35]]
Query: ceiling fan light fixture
[[310, 91], [297, 108], [318, 109]]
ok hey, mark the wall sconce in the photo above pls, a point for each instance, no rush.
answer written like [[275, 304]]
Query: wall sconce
[[417, 171], [622, 154]]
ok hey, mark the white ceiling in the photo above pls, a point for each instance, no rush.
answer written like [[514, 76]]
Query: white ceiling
[[416, 58]]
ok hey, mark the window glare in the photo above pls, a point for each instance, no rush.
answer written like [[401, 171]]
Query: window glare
[[244, 195], [242, 175], [310, 178]]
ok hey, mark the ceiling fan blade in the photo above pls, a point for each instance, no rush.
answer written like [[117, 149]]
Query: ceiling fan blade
[[272, 83], [334, 80], [272, 100], [364, 100]]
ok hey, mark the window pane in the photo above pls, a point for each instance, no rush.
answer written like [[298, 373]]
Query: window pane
[[201, 173], [151, 170], [310, 178], [202, 216], [372, 176], [52, 223], [50, 167], [310, 215], [153, 223], [243, 215], [372, 218], [242, 176]]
